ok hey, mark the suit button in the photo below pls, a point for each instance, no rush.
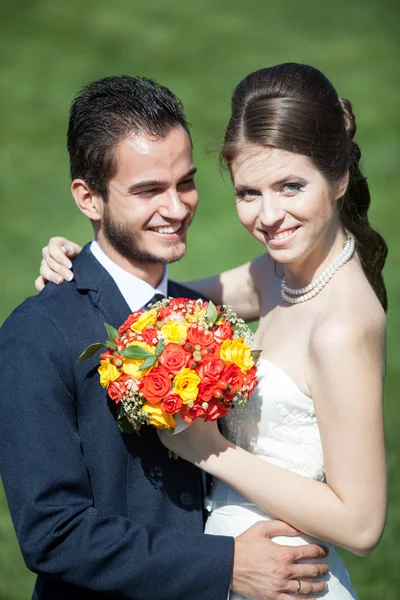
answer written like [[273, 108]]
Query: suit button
[[186, 499]]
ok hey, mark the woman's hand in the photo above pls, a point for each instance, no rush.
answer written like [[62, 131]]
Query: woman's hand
[[196, 443], [56, 264]]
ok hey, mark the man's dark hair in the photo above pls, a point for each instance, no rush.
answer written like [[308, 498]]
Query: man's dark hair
[[106, 112]]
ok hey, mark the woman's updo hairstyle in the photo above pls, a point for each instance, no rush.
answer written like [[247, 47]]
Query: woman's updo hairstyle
[[295, 108]]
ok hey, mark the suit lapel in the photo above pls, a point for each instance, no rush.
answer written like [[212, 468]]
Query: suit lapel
[[92, 278]]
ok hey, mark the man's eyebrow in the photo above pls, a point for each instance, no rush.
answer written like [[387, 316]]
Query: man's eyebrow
[[150, 183]]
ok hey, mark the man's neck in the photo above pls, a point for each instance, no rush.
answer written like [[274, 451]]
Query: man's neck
[[149, 272]]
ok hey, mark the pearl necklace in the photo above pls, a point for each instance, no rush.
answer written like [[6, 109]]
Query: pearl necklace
[[294, 296]]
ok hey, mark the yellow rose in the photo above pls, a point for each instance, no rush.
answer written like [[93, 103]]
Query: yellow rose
[[158, 418], [237, 352], [108, 372], [186, 384], [132, 366], [147, 319], [198, 316], [174, 331]]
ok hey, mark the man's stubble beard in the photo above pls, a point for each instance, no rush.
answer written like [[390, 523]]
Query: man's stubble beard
[[121, 239]]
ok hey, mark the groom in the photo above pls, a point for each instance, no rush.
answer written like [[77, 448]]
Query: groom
[[99, 514]]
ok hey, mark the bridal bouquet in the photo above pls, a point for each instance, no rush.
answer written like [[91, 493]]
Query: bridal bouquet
[[182, 357]]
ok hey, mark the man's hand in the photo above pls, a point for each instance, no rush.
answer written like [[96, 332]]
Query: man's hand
[[56, 264], [264, 570]]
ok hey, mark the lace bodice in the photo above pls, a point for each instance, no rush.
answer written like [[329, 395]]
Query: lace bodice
[[278, 424]]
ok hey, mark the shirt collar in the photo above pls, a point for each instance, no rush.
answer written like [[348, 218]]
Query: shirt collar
[[136, 292]]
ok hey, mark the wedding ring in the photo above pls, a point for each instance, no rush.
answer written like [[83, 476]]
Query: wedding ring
[[298, 586]]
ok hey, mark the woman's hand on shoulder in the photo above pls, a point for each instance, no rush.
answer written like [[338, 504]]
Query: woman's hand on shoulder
[[56, 264]]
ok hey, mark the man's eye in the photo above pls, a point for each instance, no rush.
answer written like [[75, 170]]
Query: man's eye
[[149, 193], [187, 184]]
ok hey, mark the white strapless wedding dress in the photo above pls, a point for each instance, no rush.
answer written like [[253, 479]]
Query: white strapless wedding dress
[[278, 425]]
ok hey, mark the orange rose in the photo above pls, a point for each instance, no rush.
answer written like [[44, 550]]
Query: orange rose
[[207, 388], [216, 411], [149, 334], [156, 385], [234, 377], [174, 358], [191, 414], [202, 337], [210, 367], [175, 302], [250, 379], [172, 404], [223, 332], [131, 319], [116, 390]]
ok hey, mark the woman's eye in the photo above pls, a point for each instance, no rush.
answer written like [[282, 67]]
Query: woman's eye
[[292, 188], [247, 195]]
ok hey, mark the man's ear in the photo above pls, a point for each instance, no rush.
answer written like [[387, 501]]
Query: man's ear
[[90, 204], [342, 186]]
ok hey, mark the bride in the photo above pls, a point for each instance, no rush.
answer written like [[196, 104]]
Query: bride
[[309, 447]]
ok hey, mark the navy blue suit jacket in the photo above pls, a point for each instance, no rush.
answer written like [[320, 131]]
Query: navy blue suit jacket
[[98, 514]]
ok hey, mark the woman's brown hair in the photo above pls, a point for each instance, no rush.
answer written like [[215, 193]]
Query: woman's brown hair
[[295, 108]]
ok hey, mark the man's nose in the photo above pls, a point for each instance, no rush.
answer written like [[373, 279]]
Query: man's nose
[[272, 213], [172, 206]]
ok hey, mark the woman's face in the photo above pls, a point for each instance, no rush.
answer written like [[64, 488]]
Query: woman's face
[[285, 202]]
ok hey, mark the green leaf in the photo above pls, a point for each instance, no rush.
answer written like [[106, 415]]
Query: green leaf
[[221, 314], [160, 347], [212, 313], [122, 420], [111, 345], [136, 353], [256, 355], [149, 362], [112, 333], [90, 350]]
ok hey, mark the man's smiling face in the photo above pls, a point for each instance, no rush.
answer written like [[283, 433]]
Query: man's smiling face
[[151, 199]]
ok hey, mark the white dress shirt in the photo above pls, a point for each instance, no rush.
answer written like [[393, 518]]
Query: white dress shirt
[[136, 292]]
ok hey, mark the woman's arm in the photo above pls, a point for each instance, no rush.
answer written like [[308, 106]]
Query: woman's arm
[[237, 287], [349, 509]]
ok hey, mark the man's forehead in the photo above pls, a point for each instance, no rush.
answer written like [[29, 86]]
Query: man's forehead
[[142, 156]]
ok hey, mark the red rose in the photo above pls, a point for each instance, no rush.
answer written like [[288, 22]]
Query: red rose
[[210, 367], [202, 337], [116, 390], [172, 404], [191, 414], [148, 335], [131, 319], [173, 358], [223, 332], [156, 385], [215, 411], [234, 377], [206, 389]]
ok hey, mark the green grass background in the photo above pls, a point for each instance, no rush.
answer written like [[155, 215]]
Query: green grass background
[[200, 50]]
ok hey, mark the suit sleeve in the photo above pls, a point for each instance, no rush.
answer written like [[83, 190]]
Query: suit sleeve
[[48, 490]]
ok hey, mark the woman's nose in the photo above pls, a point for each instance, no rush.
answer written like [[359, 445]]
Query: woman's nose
[[272, 213]]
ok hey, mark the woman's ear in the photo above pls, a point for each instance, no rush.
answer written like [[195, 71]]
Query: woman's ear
[[90, 204], [341, 186]]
